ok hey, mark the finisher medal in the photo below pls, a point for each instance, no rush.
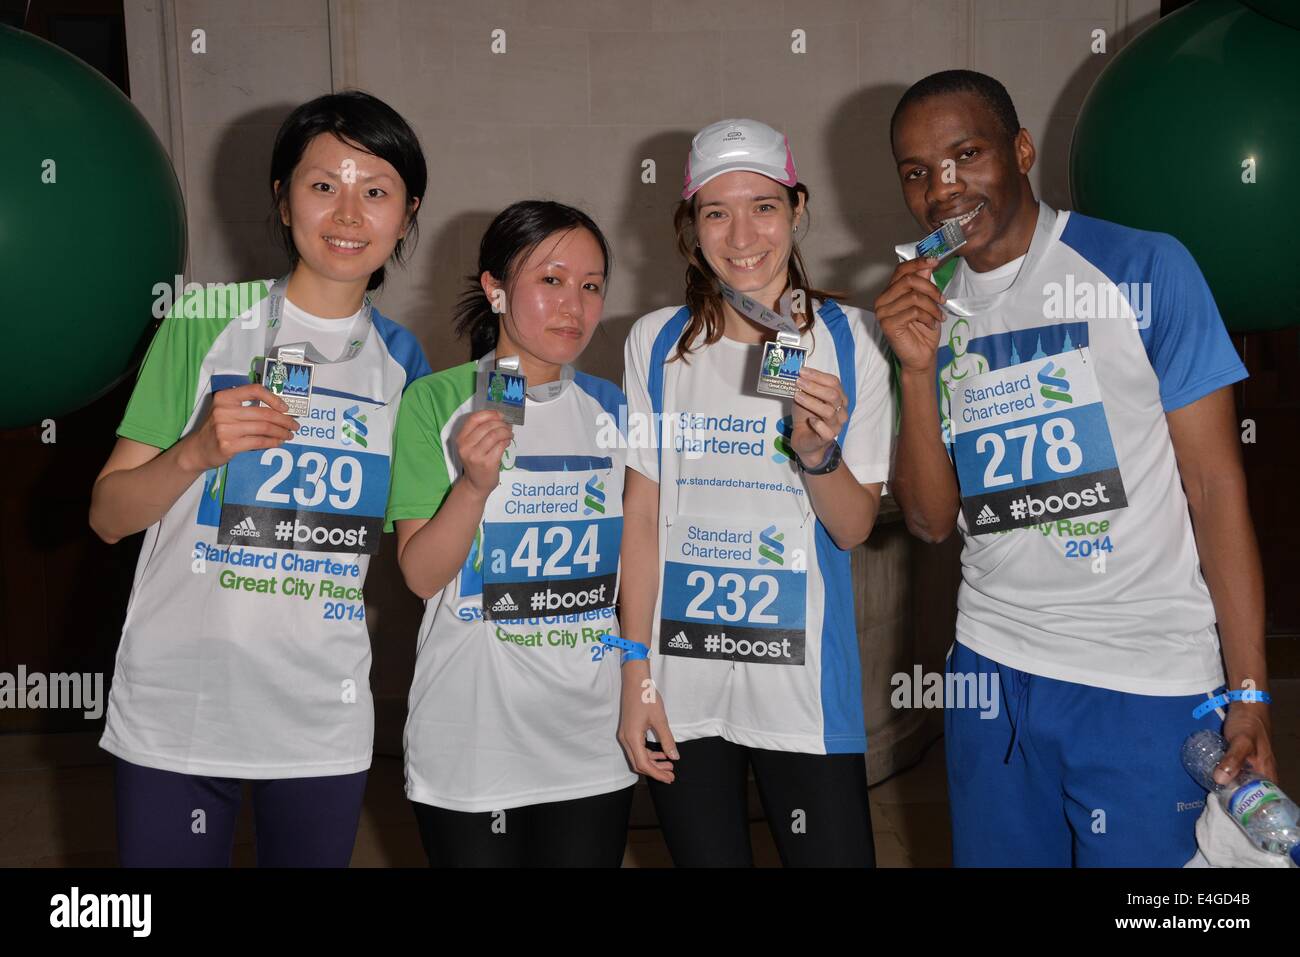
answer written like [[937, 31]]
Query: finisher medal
[[504, 390], [289, 377], [943, 242], [778, 373]]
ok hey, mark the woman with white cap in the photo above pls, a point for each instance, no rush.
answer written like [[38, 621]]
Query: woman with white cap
[[772, 408]]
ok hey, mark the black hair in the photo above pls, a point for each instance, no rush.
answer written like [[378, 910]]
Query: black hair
[[510, 239], [993, 93], [365, 121]]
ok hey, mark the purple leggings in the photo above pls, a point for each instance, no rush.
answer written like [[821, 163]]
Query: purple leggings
[[166, 819]]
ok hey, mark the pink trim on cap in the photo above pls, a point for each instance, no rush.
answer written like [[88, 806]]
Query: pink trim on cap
[[790, 176]]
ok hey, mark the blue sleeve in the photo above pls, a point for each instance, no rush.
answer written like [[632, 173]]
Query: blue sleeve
[[404, 348], [1185, 339], [609, 396]]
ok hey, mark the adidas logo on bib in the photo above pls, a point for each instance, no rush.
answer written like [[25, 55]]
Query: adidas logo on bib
[[680, 640], [246, 528], [505, 603], [986, 516]]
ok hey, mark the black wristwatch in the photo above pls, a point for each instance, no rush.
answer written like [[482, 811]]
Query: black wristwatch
[[831, 463]]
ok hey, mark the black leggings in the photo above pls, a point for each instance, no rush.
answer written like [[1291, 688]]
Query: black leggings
[[816, 805], [584, 832]]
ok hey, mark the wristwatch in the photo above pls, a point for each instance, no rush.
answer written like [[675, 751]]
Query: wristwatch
[[831, 463]]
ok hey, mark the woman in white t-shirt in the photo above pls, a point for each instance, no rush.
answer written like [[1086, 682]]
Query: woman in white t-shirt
[[511, 534], [245, 655], [772, 410]]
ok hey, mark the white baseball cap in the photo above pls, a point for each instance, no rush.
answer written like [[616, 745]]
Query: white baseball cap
[[731, 145]]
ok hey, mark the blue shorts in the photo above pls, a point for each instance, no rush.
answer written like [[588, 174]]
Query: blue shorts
[[1065, 774]]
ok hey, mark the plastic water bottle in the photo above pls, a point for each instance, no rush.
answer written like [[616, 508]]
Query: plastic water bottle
[[1270, 819]]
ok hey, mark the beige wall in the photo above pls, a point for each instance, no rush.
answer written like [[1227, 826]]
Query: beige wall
[[586, 91]]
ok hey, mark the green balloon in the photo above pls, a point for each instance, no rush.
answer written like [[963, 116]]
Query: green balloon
[[1199, 103], [91, 218], [1283, 11]]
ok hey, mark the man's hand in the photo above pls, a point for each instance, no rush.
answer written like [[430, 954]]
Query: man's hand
[[1247, 731], [909, 314]]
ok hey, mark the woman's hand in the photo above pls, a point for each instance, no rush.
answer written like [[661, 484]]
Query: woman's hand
[[821, 411], [231, 427], [642, 711], [482, 440]]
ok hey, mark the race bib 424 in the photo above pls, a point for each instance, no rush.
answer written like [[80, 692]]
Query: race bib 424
[[549, 548]]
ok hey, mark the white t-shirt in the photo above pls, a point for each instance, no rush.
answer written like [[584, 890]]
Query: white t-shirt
[[516, 711], [754, 638], [328, 336], [245, 653], [992, 282], [1079, 561]]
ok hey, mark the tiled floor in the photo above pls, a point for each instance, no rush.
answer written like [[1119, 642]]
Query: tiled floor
[[56, 806]]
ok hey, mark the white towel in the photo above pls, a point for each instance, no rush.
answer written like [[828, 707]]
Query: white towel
[[1222, 843]]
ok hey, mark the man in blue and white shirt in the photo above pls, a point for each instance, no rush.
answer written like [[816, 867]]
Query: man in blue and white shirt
[[1066, 405]]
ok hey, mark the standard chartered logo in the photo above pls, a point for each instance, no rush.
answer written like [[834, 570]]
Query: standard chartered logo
[[699, 434], [354, 427], [695, 435], [1053, 385], [595, 498], [784, 429], [771, 546]]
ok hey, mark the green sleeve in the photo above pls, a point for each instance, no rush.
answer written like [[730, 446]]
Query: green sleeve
[[420, 476], [166, 389]]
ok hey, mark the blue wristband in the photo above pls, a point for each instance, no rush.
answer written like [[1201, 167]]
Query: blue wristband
[[632, 650], [1247, 694]]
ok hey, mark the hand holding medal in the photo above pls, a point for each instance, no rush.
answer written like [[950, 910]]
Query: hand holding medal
[[821, 410], [231, 427], [821, 405], [483, 439]]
